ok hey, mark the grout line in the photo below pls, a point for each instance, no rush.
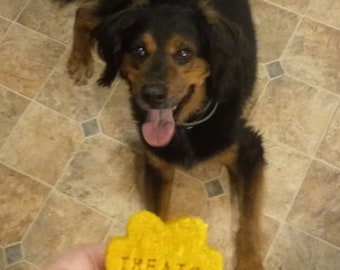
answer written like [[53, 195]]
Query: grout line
[[24, 8], [303, 14], [312, 235], [272, 217], [2, 38], [48, 77], [271, 246], [117, 83], [289, 41], [308, 6], [263, 66], [258, 101], [34, 220], [317, 20], [320, 88], [327, 164], [284, 8], [14, 22], [31, 264], [43, 205], [303, 178], [132, 149], [7, 30], [321, 22], [215, 197], [106, 236], [291, 148], [15, 92], [40, 33], [67, 165], [69, 118], [5, 18], [32, 177], [327, 126], [3, 255], [75, 200], [24, 113]]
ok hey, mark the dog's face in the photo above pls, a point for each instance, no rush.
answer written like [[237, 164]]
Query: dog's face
[[164, 54], [163, 65]]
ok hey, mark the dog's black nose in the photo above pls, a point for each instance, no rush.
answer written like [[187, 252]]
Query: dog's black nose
[[154, 94]]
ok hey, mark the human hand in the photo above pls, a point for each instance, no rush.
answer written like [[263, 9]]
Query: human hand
[[90, 257]]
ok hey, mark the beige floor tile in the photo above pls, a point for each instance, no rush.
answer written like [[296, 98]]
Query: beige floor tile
[[206, 170], [270, 227], [330, 147], [295, 250], [48, 18], [61, 225], [225, 182], [313, 55], [117, 230], [217, 214], [12, 8], [116, 119], [22, 266], [42, 143], [137, 201], [40, 139], [316, 208], [18, 192], [326, 11], [102, 175], [260, 85], [273, 32], [222, 226], [78, 102], [285, 172], [188, 197], [2, 258], [299, 6], [11, 108], [4, 25], [294, 113], [29, 59]]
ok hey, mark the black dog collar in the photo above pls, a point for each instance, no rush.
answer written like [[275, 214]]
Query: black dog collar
[[205, 115]]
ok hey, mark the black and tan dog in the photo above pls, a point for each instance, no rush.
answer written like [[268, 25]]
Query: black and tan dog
[[190, 65]]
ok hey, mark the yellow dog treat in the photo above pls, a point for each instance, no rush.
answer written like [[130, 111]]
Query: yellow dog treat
[[151, 244]]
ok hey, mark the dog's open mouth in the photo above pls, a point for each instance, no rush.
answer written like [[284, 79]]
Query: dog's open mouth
[[159, 125]]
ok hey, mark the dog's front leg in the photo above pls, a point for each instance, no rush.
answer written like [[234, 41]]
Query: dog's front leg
[[245, 163], [159, 180], [80, 64]]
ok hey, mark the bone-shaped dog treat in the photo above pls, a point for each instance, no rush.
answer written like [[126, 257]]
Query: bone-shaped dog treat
[[151, 244]]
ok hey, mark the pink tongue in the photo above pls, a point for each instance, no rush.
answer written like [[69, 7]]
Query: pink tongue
[[159, 127]]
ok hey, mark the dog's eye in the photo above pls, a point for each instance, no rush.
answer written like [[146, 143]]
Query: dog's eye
[[138, 52], [183, 56]]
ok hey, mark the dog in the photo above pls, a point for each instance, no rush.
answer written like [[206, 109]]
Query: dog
[[190, 66]]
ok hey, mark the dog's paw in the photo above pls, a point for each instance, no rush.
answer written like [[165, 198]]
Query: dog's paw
[[80, 69]]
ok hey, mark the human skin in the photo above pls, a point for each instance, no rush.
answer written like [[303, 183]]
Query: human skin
[[91, 257]]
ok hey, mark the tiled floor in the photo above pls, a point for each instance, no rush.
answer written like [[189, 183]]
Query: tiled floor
[[70, 157]]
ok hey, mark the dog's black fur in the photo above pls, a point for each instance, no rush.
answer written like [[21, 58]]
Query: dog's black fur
[[223, 44], [231, 55]]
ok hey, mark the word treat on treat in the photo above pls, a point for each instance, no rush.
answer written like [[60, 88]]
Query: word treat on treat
[[151, 244]]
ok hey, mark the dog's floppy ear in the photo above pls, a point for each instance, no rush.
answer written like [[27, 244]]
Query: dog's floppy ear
[[224, 49], [109, 35]]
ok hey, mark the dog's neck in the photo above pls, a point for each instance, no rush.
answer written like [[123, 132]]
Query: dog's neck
[[202, 116]]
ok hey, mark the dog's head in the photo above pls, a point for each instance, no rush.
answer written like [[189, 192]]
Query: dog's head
[[174, 58]]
